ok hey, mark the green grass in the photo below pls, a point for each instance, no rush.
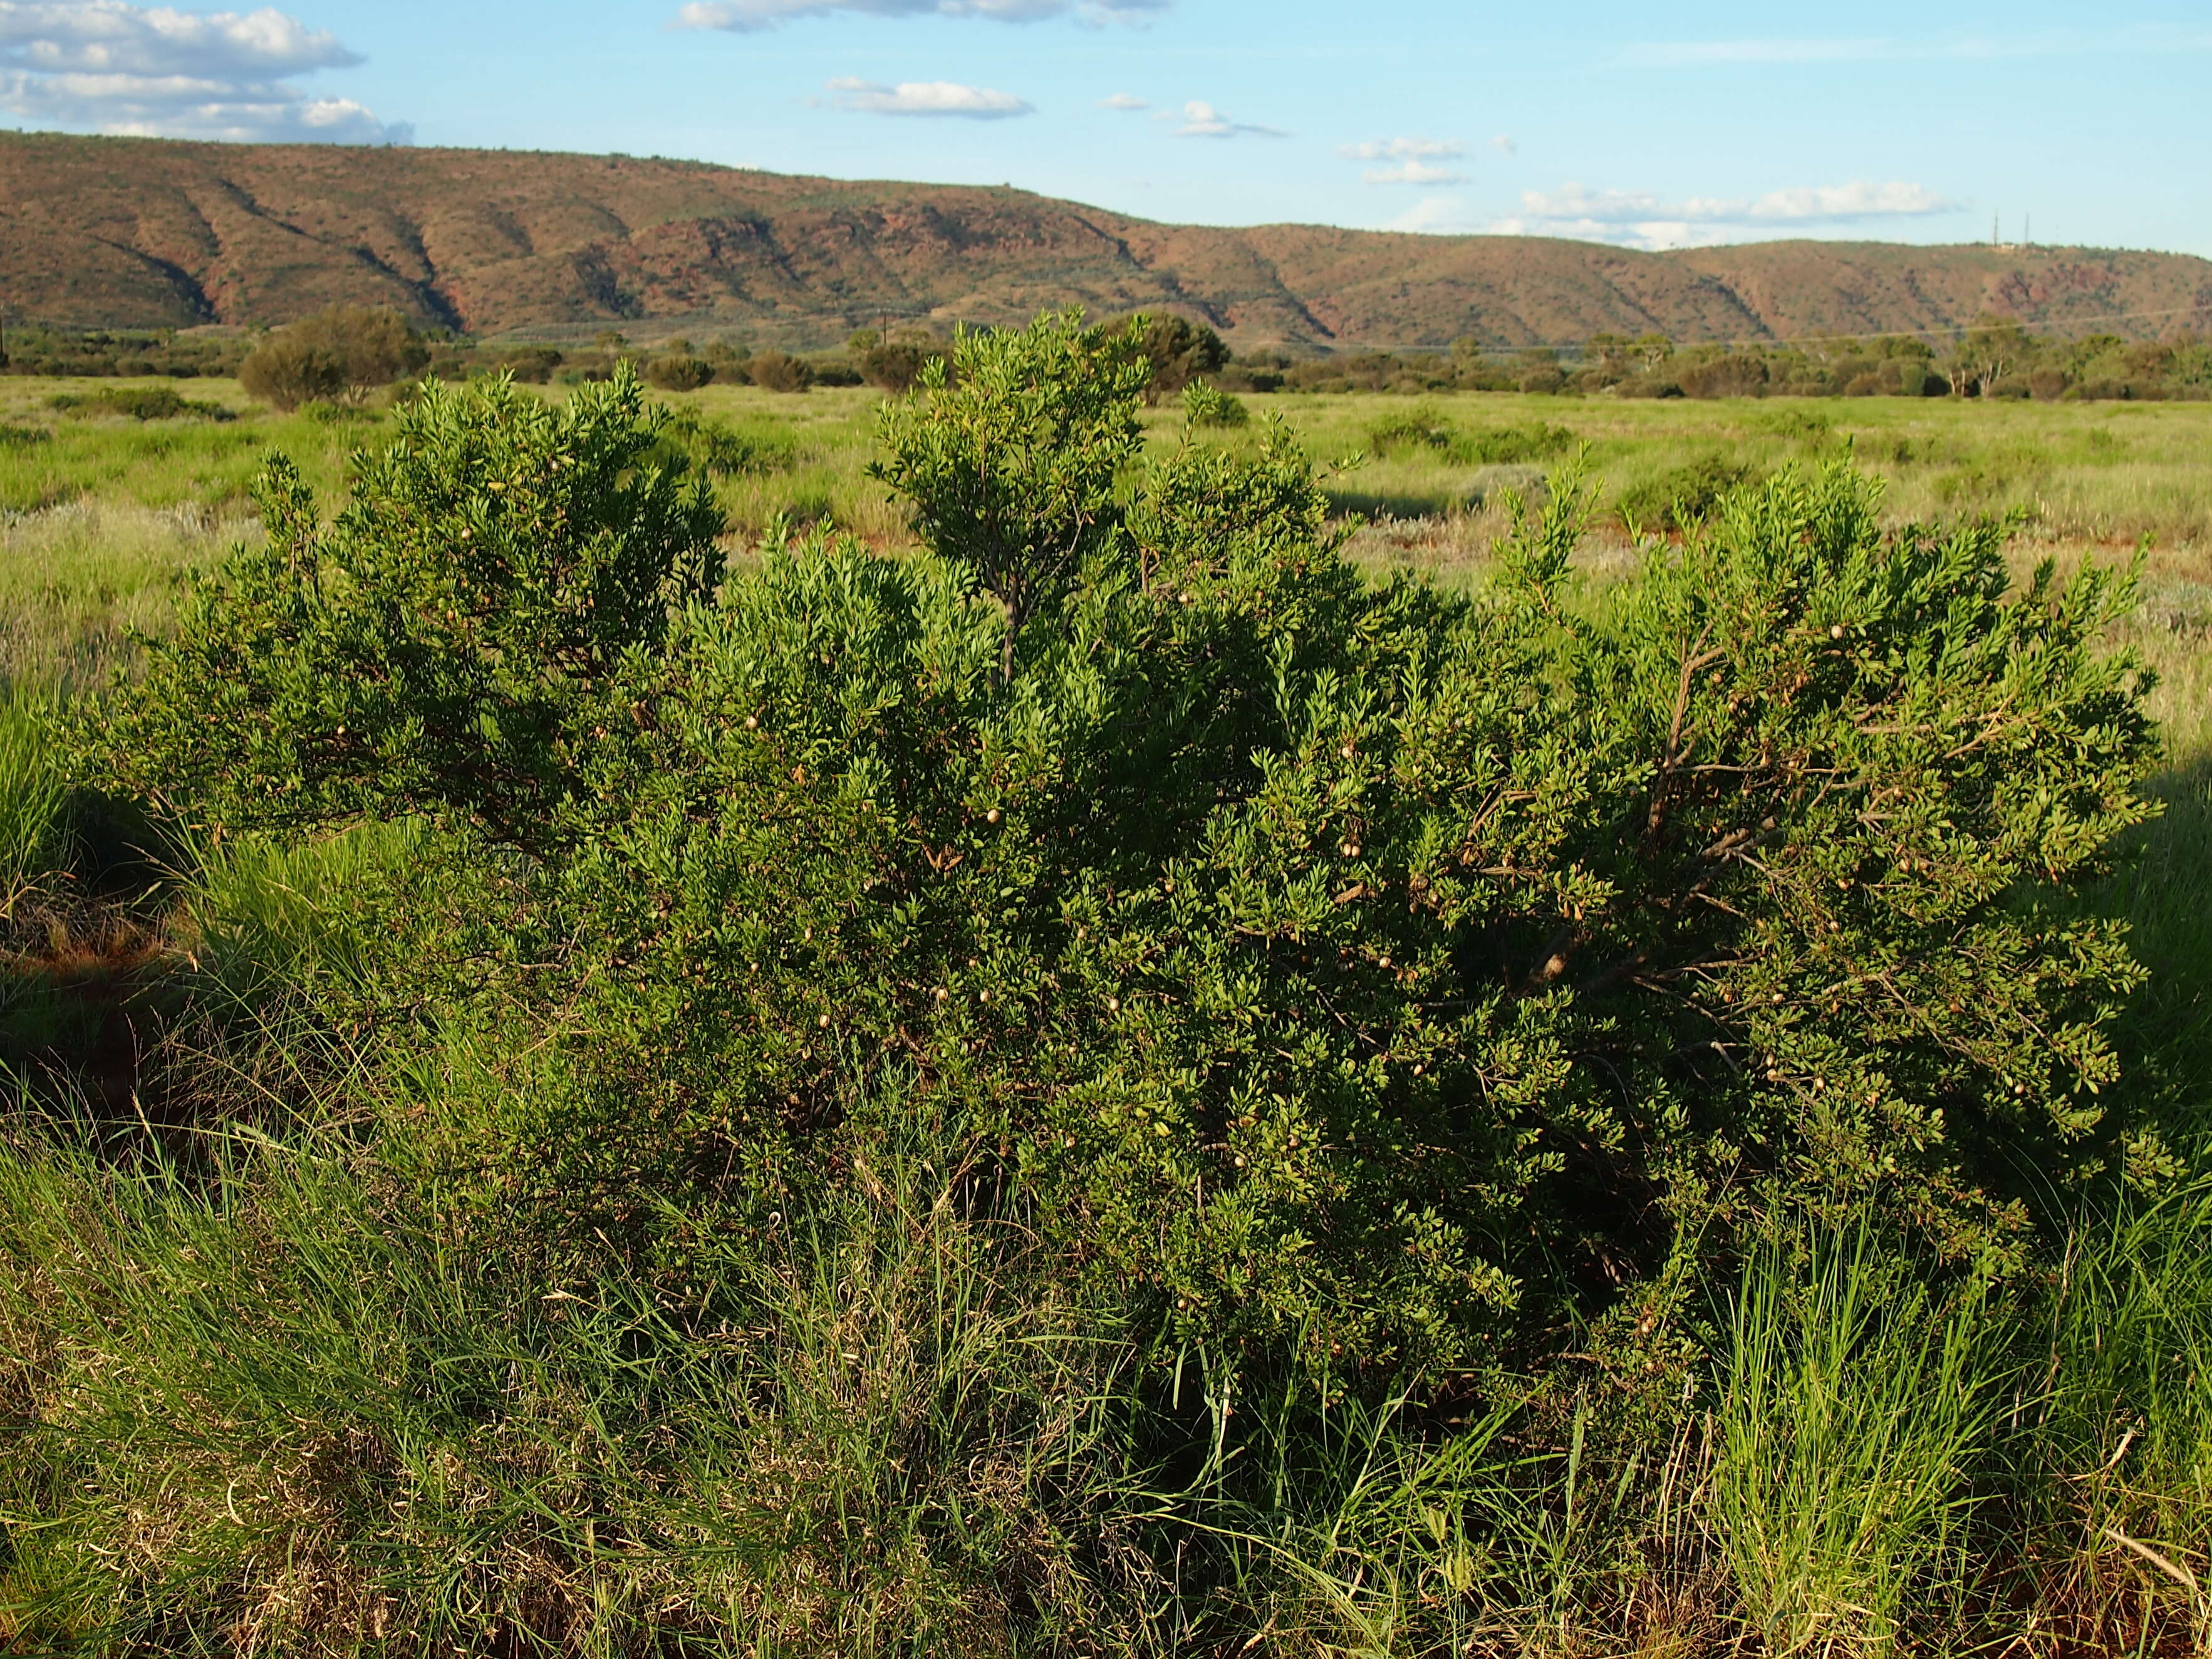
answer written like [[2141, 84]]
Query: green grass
[[99, 449], [32, 791], [1854, 1406], [78, 581], [2097, 473], [297, 1401], [283, 1408]]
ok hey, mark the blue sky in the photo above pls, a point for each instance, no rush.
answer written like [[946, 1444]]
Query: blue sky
[[1634, 125]]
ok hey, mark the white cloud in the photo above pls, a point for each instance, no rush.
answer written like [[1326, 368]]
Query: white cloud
[[1123, 100], [154, 71], [937, 98], [1635, 218], [1443, 215], [748, 16], [1417, 160], [1413, 172], [1504, 145], [1401, 150], [1857, 200], [1201, 120]]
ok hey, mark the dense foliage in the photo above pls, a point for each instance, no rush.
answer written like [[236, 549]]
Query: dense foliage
[[893, 360], [1994, 358], [446, 640], [339, 354], [1372, 972], [1179, 351], [48, 350]]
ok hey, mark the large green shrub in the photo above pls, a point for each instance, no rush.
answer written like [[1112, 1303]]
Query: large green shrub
[[679, 372], [894, 363], [1179, 350], [445, 643], [342, 351], [1370, 969]]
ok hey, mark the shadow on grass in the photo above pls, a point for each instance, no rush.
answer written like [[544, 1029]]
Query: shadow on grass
[[2163, 892], [1392, 504]]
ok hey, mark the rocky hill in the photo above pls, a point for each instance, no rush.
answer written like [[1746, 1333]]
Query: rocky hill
[[124, 231]]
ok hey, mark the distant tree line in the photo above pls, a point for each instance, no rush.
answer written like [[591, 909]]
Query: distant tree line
[[38, 349], [341, 354], [1995, 358]]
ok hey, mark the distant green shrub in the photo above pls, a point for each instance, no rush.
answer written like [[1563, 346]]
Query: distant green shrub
[[1178, 350], [678, 374], [139, 402], [1917, 380], [23, 437], [1205, 406], [1536, 440], [1421, 426], [338, 354], [1424, 426], [534, 366], [894, 363], [726, 451], [1733, 374], [1683, 495], [779, 371], [1499, 481]]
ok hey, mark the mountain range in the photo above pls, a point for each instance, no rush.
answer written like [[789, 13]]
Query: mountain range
[[153, 232]]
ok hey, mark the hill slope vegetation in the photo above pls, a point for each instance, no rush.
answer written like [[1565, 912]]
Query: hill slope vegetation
[[144, 232]]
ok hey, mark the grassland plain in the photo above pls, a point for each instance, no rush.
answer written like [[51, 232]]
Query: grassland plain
[[102, 511], [904, 1431]]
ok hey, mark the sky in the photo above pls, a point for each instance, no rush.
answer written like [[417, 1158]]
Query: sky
[[1633, 125]]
